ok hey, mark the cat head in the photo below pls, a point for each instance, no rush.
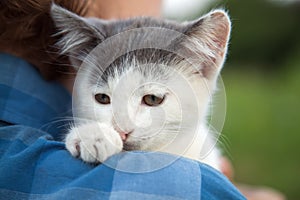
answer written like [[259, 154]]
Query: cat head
[[150, 79]]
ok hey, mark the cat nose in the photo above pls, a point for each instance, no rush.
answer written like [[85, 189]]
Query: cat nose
[[122, 132], [124, 135]]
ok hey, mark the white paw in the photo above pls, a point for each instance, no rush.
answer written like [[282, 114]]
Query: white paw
[[93, 142]]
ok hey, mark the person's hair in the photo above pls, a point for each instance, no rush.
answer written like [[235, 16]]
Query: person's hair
[[27, 31]]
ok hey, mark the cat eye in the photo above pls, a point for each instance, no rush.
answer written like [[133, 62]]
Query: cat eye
[[152, 100], [102, 98]]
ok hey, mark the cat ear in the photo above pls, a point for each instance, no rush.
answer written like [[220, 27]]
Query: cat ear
[[78, 35], [206, 41]]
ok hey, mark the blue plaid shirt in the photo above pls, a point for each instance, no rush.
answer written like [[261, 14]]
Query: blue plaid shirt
[[34, 164]]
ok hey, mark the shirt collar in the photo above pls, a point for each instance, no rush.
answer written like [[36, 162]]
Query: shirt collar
[[26, 98]]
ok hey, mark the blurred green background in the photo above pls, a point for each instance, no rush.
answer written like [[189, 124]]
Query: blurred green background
[[262, 81]]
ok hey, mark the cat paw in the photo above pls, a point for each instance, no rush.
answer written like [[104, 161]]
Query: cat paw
[[93, 142]]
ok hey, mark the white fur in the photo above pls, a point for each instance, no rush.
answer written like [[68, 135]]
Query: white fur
[[176, 126], [159, 128]]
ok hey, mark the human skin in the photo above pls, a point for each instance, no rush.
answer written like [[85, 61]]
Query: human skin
[[118, 9]]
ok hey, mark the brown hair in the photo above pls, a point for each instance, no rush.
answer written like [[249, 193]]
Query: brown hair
[[26, 30]]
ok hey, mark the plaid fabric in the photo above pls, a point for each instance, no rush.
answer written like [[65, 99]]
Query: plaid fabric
[[35, 165]]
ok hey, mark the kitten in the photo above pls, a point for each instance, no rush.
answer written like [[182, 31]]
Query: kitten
[[148, 87]]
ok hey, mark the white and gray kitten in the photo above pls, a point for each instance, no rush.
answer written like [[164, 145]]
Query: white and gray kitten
[[150, 99]]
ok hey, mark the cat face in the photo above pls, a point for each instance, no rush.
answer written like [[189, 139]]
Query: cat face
[[151, 96], [148, 104]]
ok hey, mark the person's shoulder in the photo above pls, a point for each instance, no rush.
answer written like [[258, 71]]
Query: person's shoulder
[[168, 176], [21, 136]]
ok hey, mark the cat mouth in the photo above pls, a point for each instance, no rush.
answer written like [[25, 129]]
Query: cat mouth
[[129, 146]]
